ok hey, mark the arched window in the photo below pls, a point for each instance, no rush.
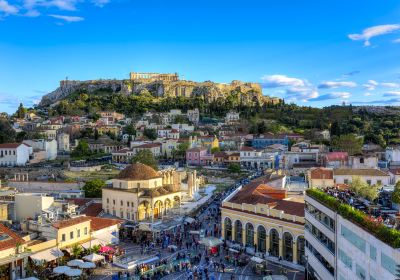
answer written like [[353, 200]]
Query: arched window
[[301, 259], [274, 243], [228, 229], [238, 231], [262, 238], [287, 247], [249, 235]]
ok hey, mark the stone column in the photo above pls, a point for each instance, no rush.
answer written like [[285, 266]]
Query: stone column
[[255, 241], [281, 247], [233, 232], [295, 252], [244, 236], [223, 230], [190, 184], [266, 244]]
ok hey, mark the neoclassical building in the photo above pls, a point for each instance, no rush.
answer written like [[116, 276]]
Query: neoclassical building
[[140, 193], [266, 219]]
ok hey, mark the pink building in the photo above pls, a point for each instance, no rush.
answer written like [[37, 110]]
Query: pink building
[[198, 157]]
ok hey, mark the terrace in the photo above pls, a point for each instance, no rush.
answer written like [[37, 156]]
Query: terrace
[[378, 219]]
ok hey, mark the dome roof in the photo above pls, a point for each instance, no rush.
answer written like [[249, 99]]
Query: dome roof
[[138, 172]]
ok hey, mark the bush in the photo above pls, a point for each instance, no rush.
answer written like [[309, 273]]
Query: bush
[[380, 231]]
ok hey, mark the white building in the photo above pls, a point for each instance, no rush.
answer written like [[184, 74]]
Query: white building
[[183, 127], [232, 117], [47, 148], [363, 161], [337, 248], [14, 154], [193, 116], [370, 176], [31, 205], [63, 142], [392, 155], [252, 158]]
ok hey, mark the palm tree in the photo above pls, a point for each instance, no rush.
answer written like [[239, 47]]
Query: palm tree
[[76, 251]]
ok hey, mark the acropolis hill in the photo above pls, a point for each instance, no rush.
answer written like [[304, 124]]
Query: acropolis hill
[[161, 85]]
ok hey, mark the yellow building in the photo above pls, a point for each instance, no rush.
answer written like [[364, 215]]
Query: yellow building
[[266, 219], [141, 193], [72, 231]]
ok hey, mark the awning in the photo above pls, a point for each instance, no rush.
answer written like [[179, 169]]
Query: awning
[[47, 255], [107, 238], [94, 242], [256, 259], [93, 258], [189, 220]]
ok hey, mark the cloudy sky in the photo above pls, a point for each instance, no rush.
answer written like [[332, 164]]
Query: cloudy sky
[[310, 52]]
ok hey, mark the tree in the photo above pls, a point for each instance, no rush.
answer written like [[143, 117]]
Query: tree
[[150, 133], [349, 143], [7, 133], [21, 111], [130, 130], [145, 157], [396, 193], [234, 168], [182, 147], [215, 150], [76, 251], [357, 185], [82, 149], [93, 188]]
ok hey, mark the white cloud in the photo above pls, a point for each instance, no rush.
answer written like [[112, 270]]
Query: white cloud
[[370, 85], [273, 81], [374, 31], [396, 41], [389, 85], [100, 3], [367, 94], [64, 5], [333, 95], [330, 84], [7, 8], [68, 18]]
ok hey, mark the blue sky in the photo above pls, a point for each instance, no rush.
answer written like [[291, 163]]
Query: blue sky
[[313, 53]]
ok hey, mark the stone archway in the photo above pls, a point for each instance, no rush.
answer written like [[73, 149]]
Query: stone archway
[[301, 259], [239, 232], [167, 206], [288, 247], [249, 234], [157, 209], [177, 202], [228, 229], [143, 210], [262, 239], [274, 243]]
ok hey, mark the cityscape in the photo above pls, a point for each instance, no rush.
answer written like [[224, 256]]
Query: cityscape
[[266, 146]]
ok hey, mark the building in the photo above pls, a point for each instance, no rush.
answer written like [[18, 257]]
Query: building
[[154, 77], [193, 116], [199, 157], [320, 177], [339, 248], [14, 154], [154, 148], [264, 140], [392, 155], [266, 220], [141, 193], [63, 142], [31, 205], [363, 161], [232, 117], [370, 176], [256, 159], [336, 159], [42, 149]]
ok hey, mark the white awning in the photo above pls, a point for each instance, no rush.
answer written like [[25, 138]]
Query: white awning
[[107, 238], [92, 243], [47, 255], [93, 258]]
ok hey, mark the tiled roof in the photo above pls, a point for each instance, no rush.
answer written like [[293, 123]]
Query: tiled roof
[[138, 171], [321, 173], [255, 193], [360, 172], [70, 222], [97, 223], [11, 241], [247, 149], [335, 156], [93, 210], [10, 145], [79, 201], [148, 145]]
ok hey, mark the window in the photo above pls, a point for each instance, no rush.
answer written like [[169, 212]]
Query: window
[[122, 203], [360, 271], [361, 160], [78, 234], [122, 214], [353, 238], [372, 252], [127, 203], [138, 185], [128, 216], [85, 230], [114, 201], [379, 182], [71, 235], [346, 181], [388, 263], [345, 259], [369, 182], [108, 200], [63, 237]]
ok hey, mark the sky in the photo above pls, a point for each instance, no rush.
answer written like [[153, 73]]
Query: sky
[[309, 52]]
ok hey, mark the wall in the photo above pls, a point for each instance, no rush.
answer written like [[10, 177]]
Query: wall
[[74, 229], [43, 186], [30, 205]]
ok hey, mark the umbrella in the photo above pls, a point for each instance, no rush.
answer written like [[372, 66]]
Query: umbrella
[[256, 259], [93, 258], [74, 262], [105, 249], [61, 269], [87, 265], [73, 272], [211, 241]]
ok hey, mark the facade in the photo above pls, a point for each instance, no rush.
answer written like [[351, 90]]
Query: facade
[[320, 177], [337, 248], [31, 205], [193, 116], [262, 218], [47, 147], [256, 159], [262, 141], [363, 161], [154, 77], [370, 176], [140, 193], [63, 142], [392, 155], [232, 117], [199, 157], [14, 154], [154, 148], [336, 159]]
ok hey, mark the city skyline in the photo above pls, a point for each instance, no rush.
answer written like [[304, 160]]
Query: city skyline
[[310, 53]]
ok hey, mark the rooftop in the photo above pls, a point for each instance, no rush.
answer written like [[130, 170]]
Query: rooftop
[[360, 172], [70, 222], [8, 238], [321, 173], [138, 172]]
